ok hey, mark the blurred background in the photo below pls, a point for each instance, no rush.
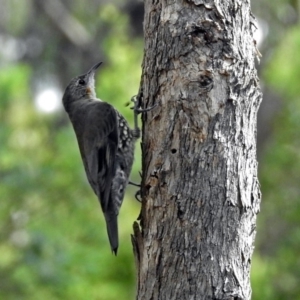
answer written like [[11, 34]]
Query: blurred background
[[53, 242]]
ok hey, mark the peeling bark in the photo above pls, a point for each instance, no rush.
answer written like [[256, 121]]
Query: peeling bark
[[199, 187]]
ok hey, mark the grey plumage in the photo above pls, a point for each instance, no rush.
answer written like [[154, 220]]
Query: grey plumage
[[106, 145]]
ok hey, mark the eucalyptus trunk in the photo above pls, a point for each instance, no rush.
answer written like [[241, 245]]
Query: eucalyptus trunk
[[200, 192]]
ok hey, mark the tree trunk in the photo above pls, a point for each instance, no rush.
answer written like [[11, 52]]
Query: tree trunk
[[200, 192]]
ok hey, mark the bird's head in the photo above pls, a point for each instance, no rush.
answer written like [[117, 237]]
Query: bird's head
[[81, 87]]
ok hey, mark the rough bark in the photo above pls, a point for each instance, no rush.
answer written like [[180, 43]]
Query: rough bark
[[200, 189]]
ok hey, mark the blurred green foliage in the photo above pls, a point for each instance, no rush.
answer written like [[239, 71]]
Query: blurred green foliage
[[276, 267], [53, 240]]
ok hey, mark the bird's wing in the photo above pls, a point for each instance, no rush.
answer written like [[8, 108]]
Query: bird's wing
[[100, 143]]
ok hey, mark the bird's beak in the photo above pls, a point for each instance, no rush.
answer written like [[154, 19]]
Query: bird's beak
[[90, 90], [94, 68]]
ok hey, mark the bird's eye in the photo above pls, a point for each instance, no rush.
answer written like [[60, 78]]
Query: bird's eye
[[81, 81]]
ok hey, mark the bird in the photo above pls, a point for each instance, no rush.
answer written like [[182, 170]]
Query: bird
[[106, 144]]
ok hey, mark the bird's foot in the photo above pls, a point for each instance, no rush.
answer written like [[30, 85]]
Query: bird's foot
[[134, 184], [137, 102], [137, 105], [137, 195]]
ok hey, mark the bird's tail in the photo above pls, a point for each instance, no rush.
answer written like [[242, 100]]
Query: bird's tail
[[112, 230]]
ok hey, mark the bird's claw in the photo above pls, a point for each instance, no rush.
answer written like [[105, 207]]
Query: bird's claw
[[134, 184], [138, 192], [137, 105], [137, 110], [137, 196]]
